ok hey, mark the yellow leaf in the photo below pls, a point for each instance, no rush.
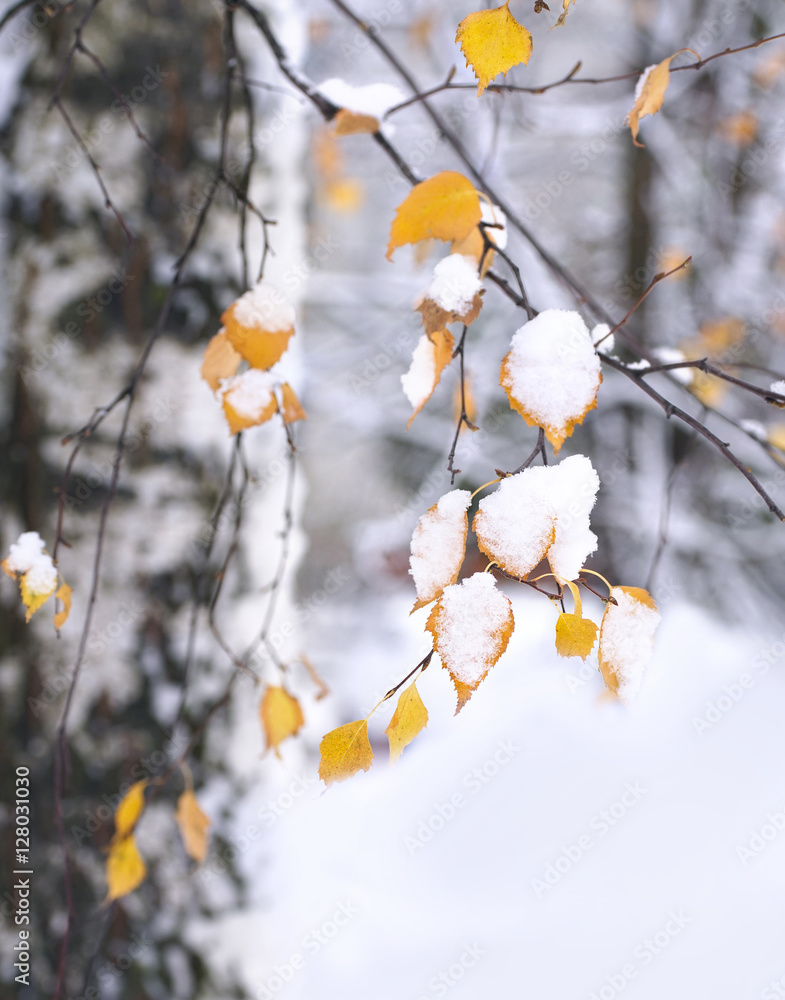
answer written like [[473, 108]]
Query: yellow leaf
[[129, 810], [193, 824], [355, 123], [345, 195], [741, 128], [281, 716], [221, 360], [29, 563], [125, 869], [626, 640], [291, 409], [719, 335], [471, 624], [63, 594], [708, 389], [438, 545], [445, 207], [431, 356], [650, 92], [493, 42], [344, 752], [248, 399], [259, 325], [409, 719], [565, 12], [575, 636]]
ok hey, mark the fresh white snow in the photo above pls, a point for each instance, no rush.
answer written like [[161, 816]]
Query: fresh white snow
[[250, 393], [266, 308], [439, 543], [419, 381], [455, 283], [627, 641], [27, 557], [542, 510], [372, 99]]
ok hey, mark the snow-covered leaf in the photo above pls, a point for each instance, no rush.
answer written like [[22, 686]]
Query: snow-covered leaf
[[540, 511], [453, 295], [627, 640], [29, 563], [471, 625], [552, 373], [439, 544], [431, 356], [248, 399], [259, 325]]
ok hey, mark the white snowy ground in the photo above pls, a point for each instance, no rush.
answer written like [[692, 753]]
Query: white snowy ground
[[432, 878]]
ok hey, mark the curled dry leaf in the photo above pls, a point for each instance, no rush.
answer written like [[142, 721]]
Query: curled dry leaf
[[552, 373], [493, 42], [627, 640], [564, 13], [259, 325], [431, 356], [344, 752], [471, 625], [221, 360], [193, 824], [409, 719], [64, 594], [444, 207], [281, 716], [248, 399], [438, 545], [125, 868], [291, 408], [650, 92]]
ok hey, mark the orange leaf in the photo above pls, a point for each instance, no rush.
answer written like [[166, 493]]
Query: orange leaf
[[63, 594], [444, 207], [221, 360], [626, 640], [281, 716], [431, 356], [291, 408], [409, 719], [493, 42], [259, 325], [344, 752], [552, 373], [471, 625], [248, 399], [355, 123], [193, 824], [438, 545], [650, 92]]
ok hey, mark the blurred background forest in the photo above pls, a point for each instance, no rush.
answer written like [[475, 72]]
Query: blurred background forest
[[382, 886]]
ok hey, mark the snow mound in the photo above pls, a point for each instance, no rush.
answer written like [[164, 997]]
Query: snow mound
[[439, 543], [27, 557], [264, 307], [455, 283]]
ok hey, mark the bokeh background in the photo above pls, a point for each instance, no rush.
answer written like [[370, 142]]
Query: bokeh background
[[548, 841]]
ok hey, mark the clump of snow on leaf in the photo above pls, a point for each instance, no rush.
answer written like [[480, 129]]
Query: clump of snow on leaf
[[438, 545], [27, 557], [372, 99], [249, 394], [455, 283], [264, 307], [472, 624], [627, 640], [418, 382], [538, 512], [552, 372]]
